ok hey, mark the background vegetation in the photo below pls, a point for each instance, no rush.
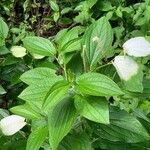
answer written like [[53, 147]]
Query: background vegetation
[[47, 18]]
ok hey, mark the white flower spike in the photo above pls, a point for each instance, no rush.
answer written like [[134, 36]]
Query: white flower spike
[[18, 51], [126, 67], [12, 124], [138, 47]]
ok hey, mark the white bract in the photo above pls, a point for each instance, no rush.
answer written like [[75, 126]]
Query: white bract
[[138, 47], [18, 51], [126, 67], [37, 56], [12, 124]]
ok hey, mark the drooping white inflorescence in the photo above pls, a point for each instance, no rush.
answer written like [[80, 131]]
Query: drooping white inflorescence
[[126, 67], [18, 51], [37, 56], [12, 124], [138, 47]]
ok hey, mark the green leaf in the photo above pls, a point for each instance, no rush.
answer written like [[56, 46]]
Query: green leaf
[[97, 40], [56, 16], [106, 5], [72, 45], [66, 10], [41, 122], [3, 113], [110, 145], [40, 76], [146, 90], [145, 120], [66, 36], [145, 106], [25, 111], [2, 90], [56, 94], [4, 50], [119, 12], [3, 29], [135, 83], [97, 85], [60, 121], [76, 142], [40, 81], [54, 5], [138, 113], [123, 127], [93, 108], [2, 42], [39, 45], [59, 36], [76, 68], [19, 144], [84, 9], [36, 138], [34, 92]]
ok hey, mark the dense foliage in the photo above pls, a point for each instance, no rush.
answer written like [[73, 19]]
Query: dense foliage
[[65, 66]]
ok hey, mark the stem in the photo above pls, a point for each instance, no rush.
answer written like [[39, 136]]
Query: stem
[[63, 67], [65, 72], [102, 66], [114, 75], [84, 60]]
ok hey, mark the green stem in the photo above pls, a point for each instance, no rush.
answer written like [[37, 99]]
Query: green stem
[[102, 66], [65, 71], [84, 60]]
